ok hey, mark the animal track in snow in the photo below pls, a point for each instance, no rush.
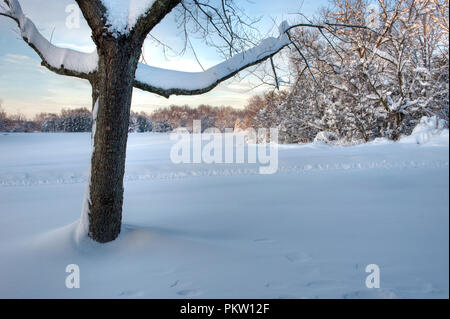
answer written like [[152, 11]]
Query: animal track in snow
[[298, 257], [131, 293], [189, 292], [264, 240]]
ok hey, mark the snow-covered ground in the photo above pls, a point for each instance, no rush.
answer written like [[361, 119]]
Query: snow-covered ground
[[210, 231]]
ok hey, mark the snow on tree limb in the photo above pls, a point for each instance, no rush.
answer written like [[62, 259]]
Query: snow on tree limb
[[59, 60], [122, 16], [169, 82]]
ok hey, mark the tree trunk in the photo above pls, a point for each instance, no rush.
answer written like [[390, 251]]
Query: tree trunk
[[111, 90]]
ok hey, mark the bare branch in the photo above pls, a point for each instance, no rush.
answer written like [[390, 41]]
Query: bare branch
[[168, 82], [274, 73], [303, 57]]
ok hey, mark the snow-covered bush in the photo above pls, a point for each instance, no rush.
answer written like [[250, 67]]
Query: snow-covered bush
[[425, 130], [77, 120], [140, 122], [162, 126], [69, 120], [327, 138]]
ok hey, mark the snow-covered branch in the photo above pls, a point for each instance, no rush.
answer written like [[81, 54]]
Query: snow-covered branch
[[59, 60], [169, 82], [126, 17]]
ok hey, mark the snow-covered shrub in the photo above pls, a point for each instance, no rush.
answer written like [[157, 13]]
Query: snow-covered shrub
[[162, 126], [140, 122], [143, 124], [327, 138], [69, 120], [77, 120], [52, 124], [425, 130]]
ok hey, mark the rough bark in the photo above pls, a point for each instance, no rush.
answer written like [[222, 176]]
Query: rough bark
[[112, 86]]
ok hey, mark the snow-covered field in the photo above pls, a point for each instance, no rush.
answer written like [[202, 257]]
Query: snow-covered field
[[211, 231]]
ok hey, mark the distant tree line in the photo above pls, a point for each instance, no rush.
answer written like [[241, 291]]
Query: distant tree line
[[15, 123], [161, 120], [68, 120], [167, 119]]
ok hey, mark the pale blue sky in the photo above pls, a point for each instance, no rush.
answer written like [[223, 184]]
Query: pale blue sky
[[28, 88]]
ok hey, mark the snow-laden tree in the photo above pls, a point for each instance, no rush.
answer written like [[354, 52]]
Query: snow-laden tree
[[365, 83], [402, 61], [119, 29]]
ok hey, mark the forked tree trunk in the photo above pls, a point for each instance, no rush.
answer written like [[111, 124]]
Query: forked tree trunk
[[112, 90]]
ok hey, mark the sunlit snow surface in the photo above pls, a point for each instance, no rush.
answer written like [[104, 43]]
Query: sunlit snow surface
[[207, 231]]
